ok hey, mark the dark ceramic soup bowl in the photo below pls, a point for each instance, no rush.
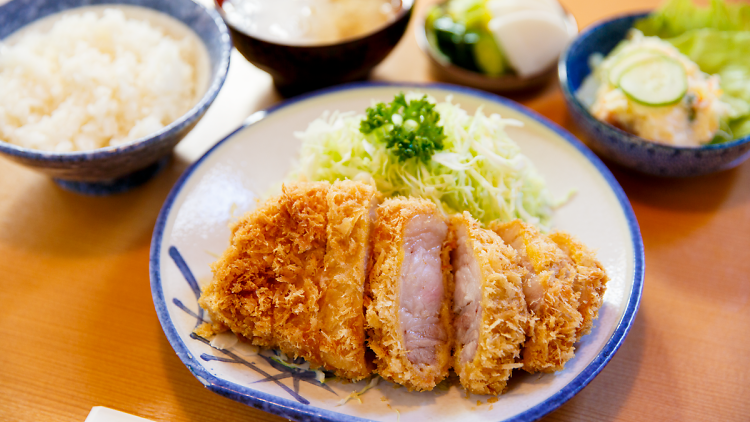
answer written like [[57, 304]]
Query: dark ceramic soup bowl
[[622, 147], [300, 68], [118, 168]]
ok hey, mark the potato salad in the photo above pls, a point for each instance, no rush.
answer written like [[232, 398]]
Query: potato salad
[[647, 87]]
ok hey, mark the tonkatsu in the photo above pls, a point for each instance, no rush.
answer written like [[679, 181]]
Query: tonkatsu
[[550, 297], [490, 316], [326, 272], [590, 282], [293, 277], [409, 300]]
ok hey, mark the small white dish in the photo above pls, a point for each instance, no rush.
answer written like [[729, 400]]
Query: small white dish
[[105, 414], [501, 84], [192, 230]]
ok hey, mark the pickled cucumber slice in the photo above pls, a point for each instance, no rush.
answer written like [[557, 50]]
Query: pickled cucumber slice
[[488, 57]]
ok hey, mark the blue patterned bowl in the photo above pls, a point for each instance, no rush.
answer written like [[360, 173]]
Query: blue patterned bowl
[[625, 148], [119, 168]]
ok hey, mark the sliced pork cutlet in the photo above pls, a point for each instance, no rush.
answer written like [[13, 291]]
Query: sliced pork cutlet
[[490, 315], [270, 284], [590, 282], [550, 297], [266, 284], [408, 298], [351, 214]]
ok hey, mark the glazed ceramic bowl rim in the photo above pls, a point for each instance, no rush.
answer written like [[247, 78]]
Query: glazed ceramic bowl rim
[[562, 70], [406, 7], [443, 61], [145, 142]]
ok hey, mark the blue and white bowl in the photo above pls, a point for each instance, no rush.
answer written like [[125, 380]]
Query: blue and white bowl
[[118, 168], [624, 148]]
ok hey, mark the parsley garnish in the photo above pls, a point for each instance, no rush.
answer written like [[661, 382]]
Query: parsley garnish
[[408, 129]]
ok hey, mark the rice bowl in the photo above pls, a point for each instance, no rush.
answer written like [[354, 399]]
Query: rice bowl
[[97, 78], [106, 170]]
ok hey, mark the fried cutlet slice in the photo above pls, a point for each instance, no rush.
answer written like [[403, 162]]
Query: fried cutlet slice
[[267, 279], [351, 215], [591, 278], [489, 307], [551, 300], [271, 285], [408, 298]]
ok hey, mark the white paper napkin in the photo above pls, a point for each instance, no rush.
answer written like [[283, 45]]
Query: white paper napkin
[[105, 414]]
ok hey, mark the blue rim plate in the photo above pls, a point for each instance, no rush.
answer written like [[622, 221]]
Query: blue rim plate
[[192, 230]]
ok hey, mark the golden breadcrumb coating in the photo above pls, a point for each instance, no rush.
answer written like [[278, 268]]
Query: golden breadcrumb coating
[[342, 317], [271, 284], [503, 313], [383, 296], [267, 278], [591, 278], [549, 295]]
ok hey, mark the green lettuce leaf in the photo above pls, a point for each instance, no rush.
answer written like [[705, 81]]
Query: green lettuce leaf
[[726, 53], [717, 39], [676, 17]]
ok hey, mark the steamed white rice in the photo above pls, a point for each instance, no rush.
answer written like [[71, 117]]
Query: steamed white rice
[[93, 80]]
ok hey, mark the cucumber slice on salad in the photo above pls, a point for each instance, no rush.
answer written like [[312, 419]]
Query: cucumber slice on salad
[[628, 60], [655, 82]]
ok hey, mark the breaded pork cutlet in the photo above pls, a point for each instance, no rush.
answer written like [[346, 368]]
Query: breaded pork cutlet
[[408, 294], [590, 282], [266, 284], [490, 315], [551, 300], [293, 275], [351, 217]]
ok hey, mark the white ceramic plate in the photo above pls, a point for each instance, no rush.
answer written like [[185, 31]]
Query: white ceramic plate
[[192, 230]]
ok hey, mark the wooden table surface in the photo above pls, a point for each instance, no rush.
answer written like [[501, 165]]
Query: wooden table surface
[[79, 327]]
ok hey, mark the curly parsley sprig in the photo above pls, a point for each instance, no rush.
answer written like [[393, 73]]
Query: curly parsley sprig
[[409, 129]]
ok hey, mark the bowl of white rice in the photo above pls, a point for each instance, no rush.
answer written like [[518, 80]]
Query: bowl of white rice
[[96, 94]]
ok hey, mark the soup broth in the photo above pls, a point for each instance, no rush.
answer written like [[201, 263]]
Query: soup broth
[[310, 22]]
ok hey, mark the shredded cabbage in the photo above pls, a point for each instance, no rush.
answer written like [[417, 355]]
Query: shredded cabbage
[[357, 394], [283, 359], [480, 169]]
